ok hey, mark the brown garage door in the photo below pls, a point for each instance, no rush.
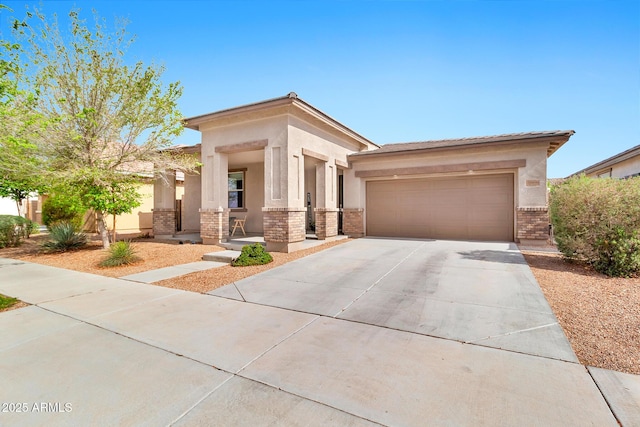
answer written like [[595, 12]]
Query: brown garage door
[[459, 208]]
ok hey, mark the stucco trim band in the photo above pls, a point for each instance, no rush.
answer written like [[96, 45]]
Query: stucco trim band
[[242, 146], [310, 153], [343, 165], [458, 167]]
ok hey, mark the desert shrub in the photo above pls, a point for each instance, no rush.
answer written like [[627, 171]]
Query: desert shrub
[[13, 229], [120, 253], [63, 208], [65, 236], [618, 254], [598, 220], [252, 255]]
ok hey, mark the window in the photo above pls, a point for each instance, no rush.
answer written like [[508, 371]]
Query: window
[[605, 174], [236, 190]]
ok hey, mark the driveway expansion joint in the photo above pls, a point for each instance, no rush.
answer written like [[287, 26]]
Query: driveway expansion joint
[[278, 343], [240, 293], [379, 279]]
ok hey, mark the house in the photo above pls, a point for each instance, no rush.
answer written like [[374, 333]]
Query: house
[[290, 168], [622, 165]]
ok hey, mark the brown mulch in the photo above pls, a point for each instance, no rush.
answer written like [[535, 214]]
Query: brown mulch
[[600, 315], [154, 253]]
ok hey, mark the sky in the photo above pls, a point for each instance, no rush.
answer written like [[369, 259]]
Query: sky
[[402, 71]]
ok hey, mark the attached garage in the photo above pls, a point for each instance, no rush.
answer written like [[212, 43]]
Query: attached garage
[[478, 207]]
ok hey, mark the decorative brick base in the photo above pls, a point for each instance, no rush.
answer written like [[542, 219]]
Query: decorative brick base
[[353, 222], [283, 227], [164, 222], [326, 222], [214, 226], [533, 224]]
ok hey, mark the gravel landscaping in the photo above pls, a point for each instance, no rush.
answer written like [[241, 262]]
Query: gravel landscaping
[[600, 315]]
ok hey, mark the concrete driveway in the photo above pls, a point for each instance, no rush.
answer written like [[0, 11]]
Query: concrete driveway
[[375, 331]]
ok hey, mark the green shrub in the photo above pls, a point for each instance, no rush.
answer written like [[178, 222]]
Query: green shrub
[[252, 255], [618, 254], [63, 208], [598, 220], [13, 229], [65, 236], [6, 302], [120, 253]]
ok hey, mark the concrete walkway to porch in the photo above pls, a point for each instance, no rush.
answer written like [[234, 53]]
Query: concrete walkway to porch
[[210, 260]]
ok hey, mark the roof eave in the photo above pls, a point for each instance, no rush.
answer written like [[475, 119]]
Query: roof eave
[[554, 141], [611, 161], [289, 99]]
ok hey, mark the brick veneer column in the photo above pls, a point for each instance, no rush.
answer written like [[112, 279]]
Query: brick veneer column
[[214, 225], [353, 222], [533, 224], [326, 222], [284, 228], [164, 222]]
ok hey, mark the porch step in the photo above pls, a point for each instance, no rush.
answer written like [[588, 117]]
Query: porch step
[[221, 256], [236, 245]]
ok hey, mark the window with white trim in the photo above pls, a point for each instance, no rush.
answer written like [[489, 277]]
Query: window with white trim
[[236, 190]]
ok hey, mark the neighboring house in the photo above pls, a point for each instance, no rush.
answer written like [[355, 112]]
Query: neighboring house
[[622, 165], [290, 168], [128, 225]]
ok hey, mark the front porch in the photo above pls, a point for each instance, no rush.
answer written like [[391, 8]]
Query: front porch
[[246, 181]]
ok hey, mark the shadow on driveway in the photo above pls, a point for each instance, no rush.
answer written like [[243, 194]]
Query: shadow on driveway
[[494, 256]]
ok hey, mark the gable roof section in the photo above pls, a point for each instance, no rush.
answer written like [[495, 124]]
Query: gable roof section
[[555, 138], [611, 161], [291, 104]]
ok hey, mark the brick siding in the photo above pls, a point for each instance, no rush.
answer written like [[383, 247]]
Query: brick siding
[[214, 224], [284, 225], [326, 222], [164, 222], [353, 222], [533, 223]]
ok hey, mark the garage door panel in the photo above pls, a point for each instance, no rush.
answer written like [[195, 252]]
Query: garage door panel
[[465, 208]]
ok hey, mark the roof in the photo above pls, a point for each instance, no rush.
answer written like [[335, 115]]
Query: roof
[[555, 137], [620, 157], [290, 99]]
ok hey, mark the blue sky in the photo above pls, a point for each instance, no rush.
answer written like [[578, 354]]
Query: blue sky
[[400, 71]]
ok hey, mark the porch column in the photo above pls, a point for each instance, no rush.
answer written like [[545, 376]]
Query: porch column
[[353, 215], [284, 212], [326, 210], [164, 204], [214, 214]]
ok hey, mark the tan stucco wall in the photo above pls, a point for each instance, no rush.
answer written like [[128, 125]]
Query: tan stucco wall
[[191, 202], [303, 136], [529, 181], [283, 176], [254, 198], [140, 220], [620, 170], [214, 176]]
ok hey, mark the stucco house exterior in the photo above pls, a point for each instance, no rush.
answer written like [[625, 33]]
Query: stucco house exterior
[[291, 168], [623, 165]]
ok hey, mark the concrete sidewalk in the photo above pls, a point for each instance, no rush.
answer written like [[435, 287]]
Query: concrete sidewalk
[[95, 350]]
